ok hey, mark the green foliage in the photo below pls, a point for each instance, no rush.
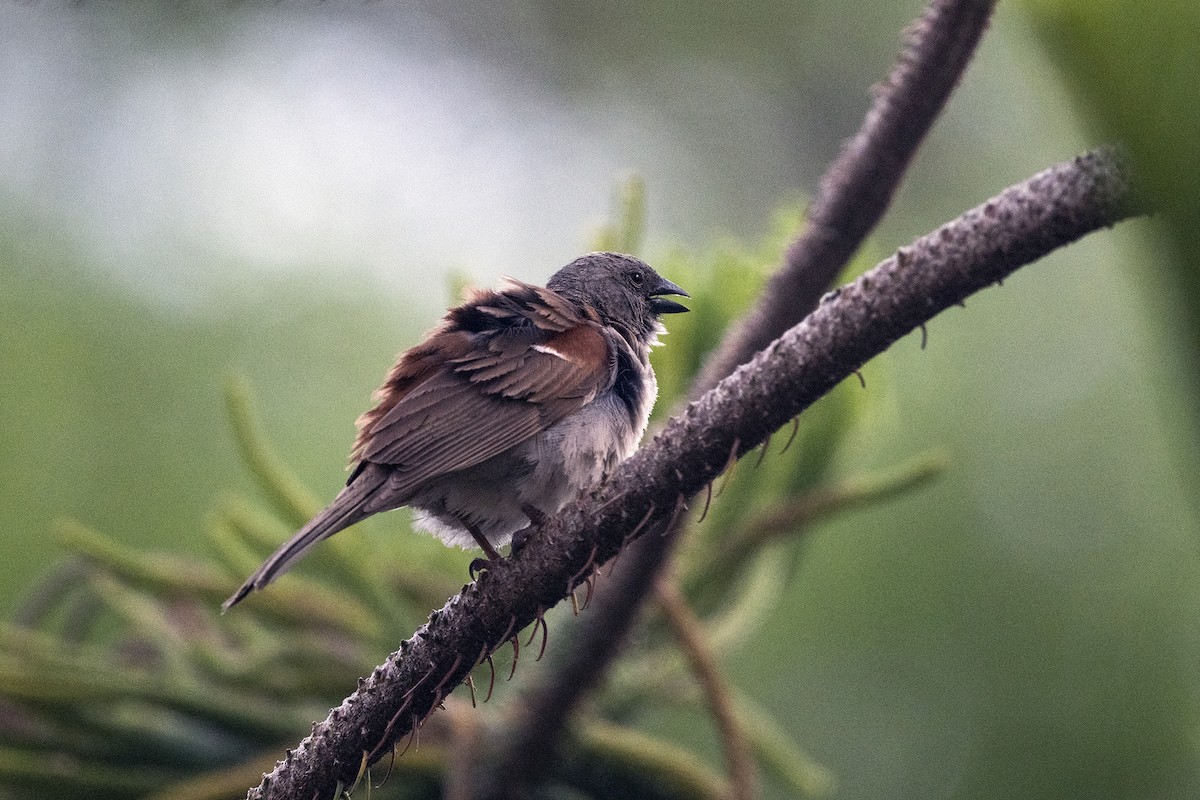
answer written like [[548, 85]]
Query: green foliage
[[120, 678]]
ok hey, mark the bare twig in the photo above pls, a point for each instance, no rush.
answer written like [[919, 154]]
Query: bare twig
[[687, 629], [795, 513], [853, 324]]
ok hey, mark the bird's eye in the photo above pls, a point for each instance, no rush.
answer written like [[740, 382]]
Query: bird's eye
[[637, 278]]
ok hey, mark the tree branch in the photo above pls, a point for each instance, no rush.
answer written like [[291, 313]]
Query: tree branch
[[849, 326], [690, 633], [853, 195], [857, 188]]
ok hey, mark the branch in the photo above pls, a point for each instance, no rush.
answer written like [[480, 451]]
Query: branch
[[857, 188], [850, 326], [853, 195], [795, 514], [690, 634]]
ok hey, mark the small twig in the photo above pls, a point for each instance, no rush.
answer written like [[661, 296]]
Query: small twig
[[708, 493], [515, 641], [762, 451], [688, 631], [471, 685], [540, 619], [793, 514], [726, 472], [792, 435], [491, 677]]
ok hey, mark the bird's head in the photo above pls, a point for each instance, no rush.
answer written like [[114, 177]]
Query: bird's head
[[624, 290]]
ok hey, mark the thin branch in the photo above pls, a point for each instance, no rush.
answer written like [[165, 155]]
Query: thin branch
[[850, 326], [688, 631], [794, 514], [852, 197]]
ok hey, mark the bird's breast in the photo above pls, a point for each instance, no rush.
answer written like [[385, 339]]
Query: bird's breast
[[591, 442]]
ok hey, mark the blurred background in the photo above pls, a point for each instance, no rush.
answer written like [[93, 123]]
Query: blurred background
[[283, 192]]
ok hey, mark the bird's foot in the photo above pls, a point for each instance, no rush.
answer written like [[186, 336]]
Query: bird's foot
[[537, 518], [535, 514], [519, 538], [478, 565]]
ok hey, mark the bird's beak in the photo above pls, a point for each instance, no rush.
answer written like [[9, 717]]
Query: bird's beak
[[660, 305]]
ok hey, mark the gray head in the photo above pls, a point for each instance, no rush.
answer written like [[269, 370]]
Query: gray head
[[624, 290]]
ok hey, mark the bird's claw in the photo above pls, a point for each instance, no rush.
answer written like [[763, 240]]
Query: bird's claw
[[478, 565], [520, 538]]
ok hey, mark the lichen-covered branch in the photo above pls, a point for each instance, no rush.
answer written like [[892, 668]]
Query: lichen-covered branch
[[849, 327]]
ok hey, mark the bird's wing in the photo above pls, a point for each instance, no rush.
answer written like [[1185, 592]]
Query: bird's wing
[[502, 368]]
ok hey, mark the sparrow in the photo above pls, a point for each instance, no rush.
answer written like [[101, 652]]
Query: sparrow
[[518, 400]]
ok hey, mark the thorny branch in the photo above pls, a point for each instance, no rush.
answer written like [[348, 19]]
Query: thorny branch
[[853, 195], [850, 326], [857, 187]]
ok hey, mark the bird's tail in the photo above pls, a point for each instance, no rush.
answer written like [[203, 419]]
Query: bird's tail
[[346, 509]]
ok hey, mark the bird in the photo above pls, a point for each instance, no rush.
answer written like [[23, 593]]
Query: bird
[[520, 398]]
